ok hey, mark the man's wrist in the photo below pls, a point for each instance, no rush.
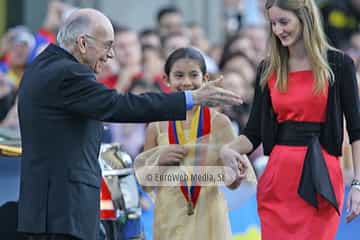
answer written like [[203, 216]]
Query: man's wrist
[[189, 99], [195, 97]]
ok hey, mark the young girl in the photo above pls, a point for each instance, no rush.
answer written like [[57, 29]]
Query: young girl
[[202, 212]]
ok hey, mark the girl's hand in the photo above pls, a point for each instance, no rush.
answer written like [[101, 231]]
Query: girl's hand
[[172, 155]]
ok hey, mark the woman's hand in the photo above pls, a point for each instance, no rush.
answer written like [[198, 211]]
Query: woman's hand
[[172, 155], [237, 163], [353, 204]]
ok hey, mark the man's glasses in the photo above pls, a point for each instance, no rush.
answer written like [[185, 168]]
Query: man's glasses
[[106, 45]]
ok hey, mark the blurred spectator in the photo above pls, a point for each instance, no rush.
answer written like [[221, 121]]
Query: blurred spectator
[[239, 42], [20, 44], [4, 47], [57, 12], [150, 37], [198, 37], [239, 115], [181, 39], [341, 19], [233, 16], [132, 65], [257, 34], [240, 63], [174, 41], [128, 57], [153, 64], [215, 52], [237, 83], [169, 20]]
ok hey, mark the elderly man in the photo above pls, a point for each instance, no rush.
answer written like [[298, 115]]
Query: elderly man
[[61, 107]]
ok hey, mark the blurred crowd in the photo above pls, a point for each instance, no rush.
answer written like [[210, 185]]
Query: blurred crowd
[[138, 63]]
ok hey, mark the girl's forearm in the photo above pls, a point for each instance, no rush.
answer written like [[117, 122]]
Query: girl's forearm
[[241, 144]]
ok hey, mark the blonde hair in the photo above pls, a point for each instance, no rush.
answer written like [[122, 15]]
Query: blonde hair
[[315, 43]]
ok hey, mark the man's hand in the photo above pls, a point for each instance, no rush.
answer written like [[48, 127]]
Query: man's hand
[[213, 96]]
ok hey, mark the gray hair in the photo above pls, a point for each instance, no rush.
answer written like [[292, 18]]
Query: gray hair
[[71, 29]]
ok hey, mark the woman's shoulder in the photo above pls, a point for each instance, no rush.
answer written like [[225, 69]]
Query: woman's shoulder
[[338, 57]]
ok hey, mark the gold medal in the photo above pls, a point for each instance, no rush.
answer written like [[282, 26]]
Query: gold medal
[[190, 210]]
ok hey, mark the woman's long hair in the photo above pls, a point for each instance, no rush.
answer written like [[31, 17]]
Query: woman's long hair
[[315, 43]]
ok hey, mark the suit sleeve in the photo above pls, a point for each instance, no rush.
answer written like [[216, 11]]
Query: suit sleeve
[[349, 93], [83, 95], [253, 127]]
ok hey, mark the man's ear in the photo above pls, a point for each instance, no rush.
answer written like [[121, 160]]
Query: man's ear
[[81, 43]]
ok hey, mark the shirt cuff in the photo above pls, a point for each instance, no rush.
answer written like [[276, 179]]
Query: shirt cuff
[[189, 100]]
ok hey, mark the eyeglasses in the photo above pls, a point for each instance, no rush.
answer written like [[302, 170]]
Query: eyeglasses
[[108, 45]]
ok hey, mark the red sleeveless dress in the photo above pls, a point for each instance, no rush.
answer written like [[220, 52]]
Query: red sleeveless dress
[[283, 213]]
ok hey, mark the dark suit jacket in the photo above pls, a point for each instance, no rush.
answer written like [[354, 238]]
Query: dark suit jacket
[[343, 100], [61, 107]]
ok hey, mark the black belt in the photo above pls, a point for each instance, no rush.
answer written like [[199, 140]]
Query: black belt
[[315, 175]]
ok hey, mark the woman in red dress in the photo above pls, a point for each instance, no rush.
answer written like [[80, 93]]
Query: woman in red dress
[[303, 89]]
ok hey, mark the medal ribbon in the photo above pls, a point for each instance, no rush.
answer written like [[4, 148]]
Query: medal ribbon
[[200, 126]]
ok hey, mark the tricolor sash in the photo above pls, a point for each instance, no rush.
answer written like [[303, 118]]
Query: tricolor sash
[[200, 126]]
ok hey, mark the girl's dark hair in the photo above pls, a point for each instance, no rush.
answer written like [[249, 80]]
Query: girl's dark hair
[[185, 53]]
